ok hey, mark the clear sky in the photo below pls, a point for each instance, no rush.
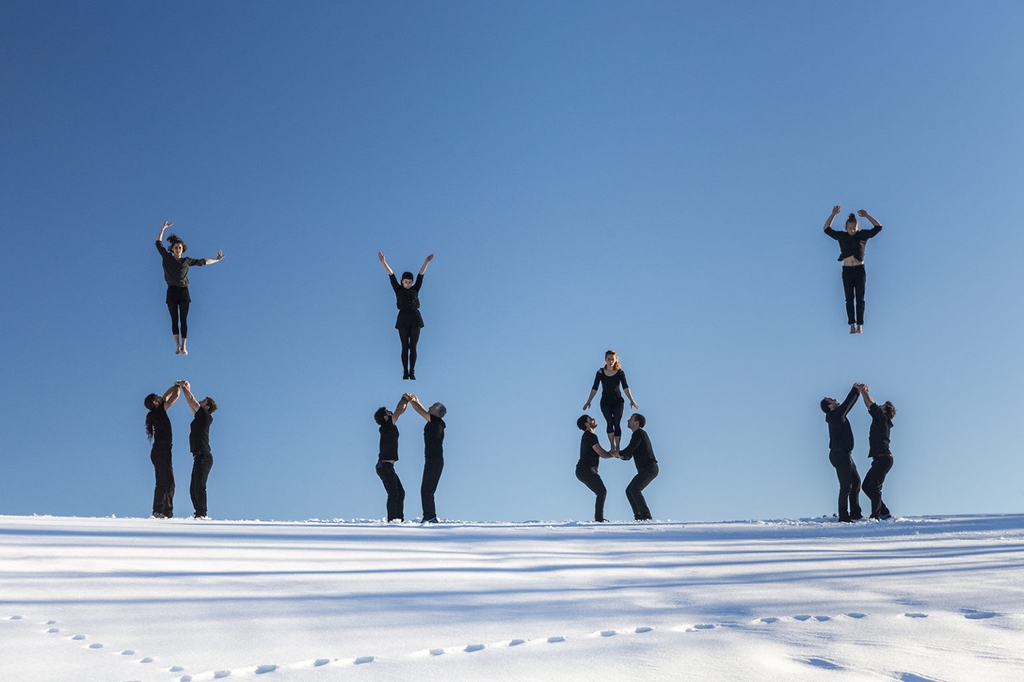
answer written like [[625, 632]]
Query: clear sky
[[650, 177]]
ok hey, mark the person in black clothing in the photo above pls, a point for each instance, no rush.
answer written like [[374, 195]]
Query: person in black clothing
[[176, 275], [158, 430], [409, 322], [388, 455], [642, 454], [840, 454], [881, 456], [591, 453], [851, 251], [199, 444], [433, 453], [610, 377]]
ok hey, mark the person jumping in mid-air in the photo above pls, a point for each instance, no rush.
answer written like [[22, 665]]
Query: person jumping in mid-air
[[851, 251], [176, 275], [610, 377], [881, 456], [409, 322]]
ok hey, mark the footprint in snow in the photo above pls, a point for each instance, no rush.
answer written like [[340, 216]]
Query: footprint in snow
[[321, 661], [608, 633], [822, 619], [972, 614], [915, 615], [823, 664], [704, 626], [95, 645], [147, 659], [517, 642], [221, 674], [436, 652], [78, 638], [52, 631], [14, 618], [363, 659], [770, 619], [473, 647], [260, 670], [50, 622], [914, 677], [642, 629], [555, 640], [175, 669], [856, 615]]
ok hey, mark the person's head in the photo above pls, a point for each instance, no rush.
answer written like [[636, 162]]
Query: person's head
[[438, 410], [829, 404], [209, 403], [888, 409], [382, 416], [636, 421], [407, 279], [178, 247], [611, 360], [153, 401], [585, 422], [851, 224]]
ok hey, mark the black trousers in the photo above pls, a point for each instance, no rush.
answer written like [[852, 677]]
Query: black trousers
[[178, 301], [201, 465], [432, 468], [635, 495], [880, 466], [854, 278], [163, 495], [394, 489], [849, 484], [589, 477], [612, 411], [410, 336]]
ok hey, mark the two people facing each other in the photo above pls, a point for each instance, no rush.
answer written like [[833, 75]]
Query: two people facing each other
[[158, 430], [433, 453], [840, 453], [610, 378], [639, 450], [852, 242], [176, 267], [409, 322]]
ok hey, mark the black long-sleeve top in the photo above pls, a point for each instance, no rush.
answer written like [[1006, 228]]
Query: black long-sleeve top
[[639, 450], [610, 384], [588, 455], [408, 302], [840, 435], [175, 269], [852, 244], [878, 436], [388, 442], [199, 433], [433, 438], [161, 425]]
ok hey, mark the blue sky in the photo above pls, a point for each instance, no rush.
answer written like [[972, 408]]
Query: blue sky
[[649, 177]]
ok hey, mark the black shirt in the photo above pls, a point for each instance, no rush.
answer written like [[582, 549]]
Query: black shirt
[[852, 244], [588, 455], [199, 433], [408, 302], [161, 425], [878, 436], [433, 438], [176, 270], [610, 384], [388, 442], [639, 450], [840, 435]]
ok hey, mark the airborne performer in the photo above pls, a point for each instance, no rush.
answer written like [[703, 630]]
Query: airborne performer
[[851, 252], [610, 377], [176, 275], [409, 322]]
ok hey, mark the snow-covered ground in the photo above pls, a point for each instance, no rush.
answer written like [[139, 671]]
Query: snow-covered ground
[[143, 599]]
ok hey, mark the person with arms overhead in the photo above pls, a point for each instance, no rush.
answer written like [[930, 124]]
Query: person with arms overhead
[[591, 454], [881, 456], [433, 453], [176, 275], [199, 444], [409, 322], [852, 242], [610, 377], [158, 430], [840, 454], [642, 454], [387, 455]]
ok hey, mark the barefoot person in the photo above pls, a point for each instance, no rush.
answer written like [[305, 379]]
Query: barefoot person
[[851, 251], [610, 377], [433, 453], [409, 322], [881, 456], [642, 454], [840, 454], [591, 454], [158, 430], [176, 275], [199, 444], [387, 455]]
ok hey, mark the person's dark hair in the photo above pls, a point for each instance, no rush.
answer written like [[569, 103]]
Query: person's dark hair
[[151, 402], [380, 416], [852, 218], [640, 419], [408, 275], [213, 405], [582, 422], [175, 239], [889, 409], [826, 404]]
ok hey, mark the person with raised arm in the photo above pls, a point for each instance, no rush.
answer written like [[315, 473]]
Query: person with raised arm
[[591, 454], [199, 444], [176, 267], [610, 377], [409, 322], [158, 430], [387, 455], [880, 454], [641, 452], [852, 242], [840, 454], [433, 453]]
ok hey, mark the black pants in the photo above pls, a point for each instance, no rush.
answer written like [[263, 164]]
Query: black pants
[[410, 336], [589, 477], [395, 491], [854, 278], [432, 468], [880, 465], [612, 411], [635, 495], [201, 465], [178, 301], [163, 495], [849, 484]]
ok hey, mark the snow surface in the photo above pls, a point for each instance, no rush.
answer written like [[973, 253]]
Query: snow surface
[[913, 599]]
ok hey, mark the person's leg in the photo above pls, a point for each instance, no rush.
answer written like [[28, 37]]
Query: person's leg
[[609, 417], [431, 475], [858, 287], [172, 308], [635, 495], [880, 466], [590, 478], [183, 313], [393, 487], [849, 484], [163, 494], [414, 338], [197, 489], [403, 335], [848, 279], [855, 510]]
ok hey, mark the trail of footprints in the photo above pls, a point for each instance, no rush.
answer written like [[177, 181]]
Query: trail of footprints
[[52, 628]]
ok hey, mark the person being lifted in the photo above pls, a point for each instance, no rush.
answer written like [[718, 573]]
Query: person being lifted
[[851, 252]]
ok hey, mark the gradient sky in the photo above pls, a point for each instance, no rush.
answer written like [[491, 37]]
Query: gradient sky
[[650, 177]]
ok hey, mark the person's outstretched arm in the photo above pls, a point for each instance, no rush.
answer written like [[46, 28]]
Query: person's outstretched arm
[[171, 396], [211, 261], [864, 214], [601, 452], [384, 262], [627, 452], [851, 400], [400, 409], [186, 389], [160, 237], [418, 406], [866, 395], [828, 223], [426, 262]]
